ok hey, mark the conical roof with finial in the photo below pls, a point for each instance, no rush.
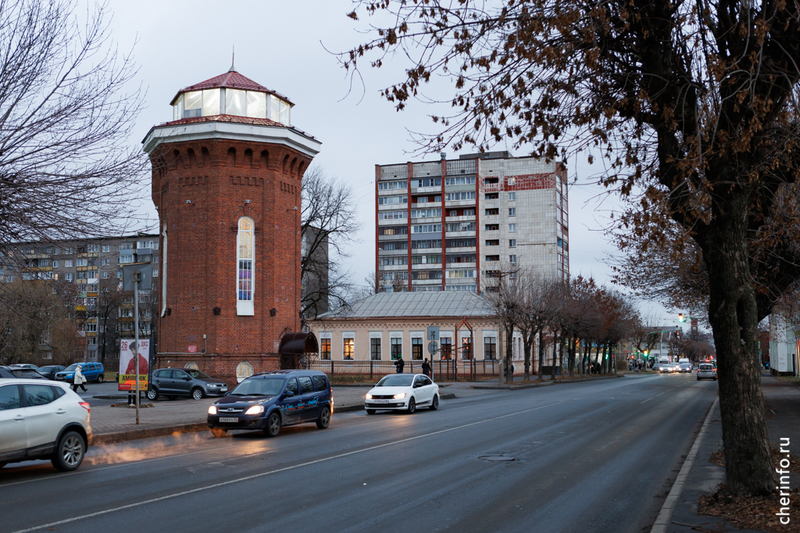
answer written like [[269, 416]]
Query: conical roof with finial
[[231, 80]]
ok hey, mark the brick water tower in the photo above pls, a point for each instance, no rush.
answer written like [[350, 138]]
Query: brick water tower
[[226, 175]]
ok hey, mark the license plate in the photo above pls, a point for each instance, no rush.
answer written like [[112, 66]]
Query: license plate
[[380, 401], [223, 389], [228, 419]]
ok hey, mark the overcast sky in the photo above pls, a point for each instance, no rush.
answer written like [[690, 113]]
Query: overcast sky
[[287, 47]]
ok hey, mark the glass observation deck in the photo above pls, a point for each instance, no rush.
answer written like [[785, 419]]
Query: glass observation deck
[[227, 101]]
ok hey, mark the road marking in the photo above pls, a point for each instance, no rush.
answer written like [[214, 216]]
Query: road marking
[[279, 470], [665, 515], [666, 391]]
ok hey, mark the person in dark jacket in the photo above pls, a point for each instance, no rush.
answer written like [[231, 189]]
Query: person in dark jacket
[[399, 364], [426, 367]]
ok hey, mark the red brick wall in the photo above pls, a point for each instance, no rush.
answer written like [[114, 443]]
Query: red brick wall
[[201, 190]]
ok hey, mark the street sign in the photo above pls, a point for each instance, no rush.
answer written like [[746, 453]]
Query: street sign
[[433, 348], [433, 333]]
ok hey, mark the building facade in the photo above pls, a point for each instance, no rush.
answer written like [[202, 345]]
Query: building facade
[[87, 275], [226, 181], [457, 225]]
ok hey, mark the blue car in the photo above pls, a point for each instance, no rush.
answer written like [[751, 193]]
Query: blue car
[[91, 371], [271, 400]]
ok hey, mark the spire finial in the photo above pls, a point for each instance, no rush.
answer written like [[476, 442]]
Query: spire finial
[[233, 59]]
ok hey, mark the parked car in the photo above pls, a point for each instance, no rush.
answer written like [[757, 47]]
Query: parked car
[[706, 371], [403, 392], [90, 370], [27, 366], [271, 400], [26, 373], [171, 382], [5, 373], [43, 420], [50, 371]]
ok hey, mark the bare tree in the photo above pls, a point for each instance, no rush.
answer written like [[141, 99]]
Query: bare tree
[[328, 224], [67, 166]]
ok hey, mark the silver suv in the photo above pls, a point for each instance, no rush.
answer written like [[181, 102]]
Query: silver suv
[[43, 420]]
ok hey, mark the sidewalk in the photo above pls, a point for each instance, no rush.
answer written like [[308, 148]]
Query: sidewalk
[[782, 400]]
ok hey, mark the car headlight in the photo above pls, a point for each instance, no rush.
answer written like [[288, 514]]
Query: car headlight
[[399, 396], [212, 409], [255, 410], [369, 396]]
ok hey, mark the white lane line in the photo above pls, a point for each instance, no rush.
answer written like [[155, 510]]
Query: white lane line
[[666, 391], [279, 470], [665, 515]]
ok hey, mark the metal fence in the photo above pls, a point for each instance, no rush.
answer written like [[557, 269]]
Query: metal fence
[[442, 370]]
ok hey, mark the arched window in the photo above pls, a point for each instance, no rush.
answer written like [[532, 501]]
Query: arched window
[[245, 261]]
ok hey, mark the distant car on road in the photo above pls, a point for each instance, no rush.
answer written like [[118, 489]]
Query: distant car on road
[[685, 367], [43, 420], [271, 400], [90, 370], [172, 382], [403, 392], [50, 371], [669, 368], [706, 371]]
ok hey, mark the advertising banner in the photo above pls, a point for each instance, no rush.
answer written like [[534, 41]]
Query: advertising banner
[[127, 364]]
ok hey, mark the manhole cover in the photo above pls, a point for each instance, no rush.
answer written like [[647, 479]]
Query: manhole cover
[[497, 457]]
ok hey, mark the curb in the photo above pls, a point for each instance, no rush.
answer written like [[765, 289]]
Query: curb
[[146, 433], [543, 383]]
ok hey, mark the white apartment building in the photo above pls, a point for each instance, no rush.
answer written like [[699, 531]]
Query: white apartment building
[[456, 225]]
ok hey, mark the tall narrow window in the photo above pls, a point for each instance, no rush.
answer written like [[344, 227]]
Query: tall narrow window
[[245, 259]]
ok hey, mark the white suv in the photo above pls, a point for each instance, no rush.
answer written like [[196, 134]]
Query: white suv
[[43, 420]]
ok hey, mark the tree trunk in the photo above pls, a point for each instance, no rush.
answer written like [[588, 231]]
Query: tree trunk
[[555, 349], [527, 344], [541, 351], [734, 319]]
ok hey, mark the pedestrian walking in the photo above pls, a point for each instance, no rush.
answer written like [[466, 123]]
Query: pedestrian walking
[[399, 364], [426, 367], [78, 380]]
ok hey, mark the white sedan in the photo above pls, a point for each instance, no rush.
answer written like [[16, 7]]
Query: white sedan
[[403, 392]]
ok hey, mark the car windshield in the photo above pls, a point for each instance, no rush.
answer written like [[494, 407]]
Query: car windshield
[[72, 366], [198, 374], [396, 380], [259, 387]]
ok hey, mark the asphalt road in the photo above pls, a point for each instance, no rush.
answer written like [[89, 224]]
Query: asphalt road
[[586, 457]]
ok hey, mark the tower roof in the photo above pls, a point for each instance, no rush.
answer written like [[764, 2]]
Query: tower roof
[[230, 80]]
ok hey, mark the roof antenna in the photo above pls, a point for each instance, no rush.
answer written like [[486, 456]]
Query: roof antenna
[[233, 59]]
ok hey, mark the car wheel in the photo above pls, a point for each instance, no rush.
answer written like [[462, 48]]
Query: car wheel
[[197, 394], [100, 378], [370, 411], [435, 402], [152, 394], [412, 406], [273, 425], [69, 452], [219, 432], [324, 418]]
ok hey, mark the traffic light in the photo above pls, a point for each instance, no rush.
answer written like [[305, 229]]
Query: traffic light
[[680, 318]]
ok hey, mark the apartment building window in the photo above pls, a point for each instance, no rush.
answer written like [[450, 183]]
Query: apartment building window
[[512, 227], [466, 348], [10, 279], [512, 196], [426, 274], [68, 263], [395, 260], [421, 213], [69, 276], [82, 262], [490, 347], [460, 180], [105, 275], [325, 346], [55, 264], [126, 246], [92, 287], [396, 344], [434, 243], [106, 261], [426, 259], [389, 246], [375, 345], [106, 248], [426, 228], [512, 243], [512, 211], [125, 258], [69, 251], [493, 258], [492, 227], [93, 248], [245, 259], [461, 273], [512, 259], [348, 345], [426, 182], [90, 327], [393, 230], [155, 272], [460, 226], [391, 215], [392, 200], [460, 258], [464, 195], [391, 185], [493, 242], [492, 195], [416, 347], [493, 211], [461, 243]]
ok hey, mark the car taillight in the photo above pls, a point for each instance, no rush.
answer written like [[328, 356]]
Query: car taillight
[[85, 405]]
